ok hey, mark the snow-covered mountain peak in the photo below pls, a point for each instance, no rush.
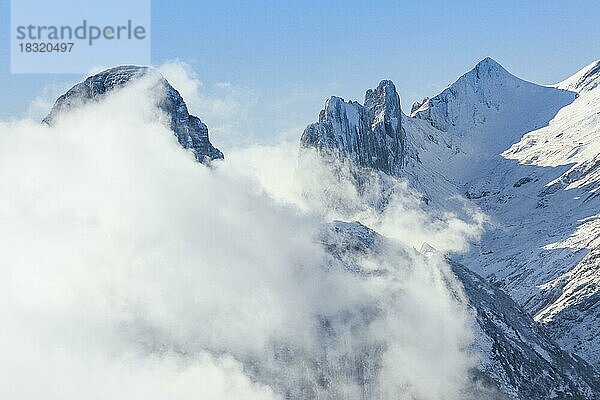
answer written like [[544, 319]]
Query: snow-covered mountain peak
[[384, 95], [384, 102], [485, 73], [190, 131], [533, 166], [487, 85], [526, 155], [469, 100], [584, 80], [489, 68], [370, 134], [482, 79], [488, 109]]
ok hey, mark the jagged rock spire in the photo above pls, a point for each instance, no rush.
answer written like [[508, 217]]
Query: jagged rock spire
[[368, 135]]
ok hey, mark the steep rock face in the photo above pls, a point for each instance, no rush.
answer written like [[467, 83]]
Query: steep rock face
[[519, 356], [190, 131], [418, 104], [369, 135]]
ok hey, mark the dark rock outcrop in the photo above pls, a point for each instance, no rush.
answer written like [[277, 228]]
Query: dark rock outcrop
[[417, 105]]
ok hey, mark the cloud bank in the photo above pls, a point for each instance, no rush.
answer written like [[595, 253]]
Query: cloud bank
[[127, 270]]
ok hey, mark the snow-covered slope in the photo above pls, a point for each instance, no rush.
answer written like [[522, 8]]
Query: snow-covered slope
[[538, 183], [586, 79], [565, 156], [517, 353], [485, 111]]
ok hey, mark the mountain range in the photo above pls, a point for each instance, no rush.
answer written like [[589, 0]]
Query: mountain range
[[528, 156], [525, 155]]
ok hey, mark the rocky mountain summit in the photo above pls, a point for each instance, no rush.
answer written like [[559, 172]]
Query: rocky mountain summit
[[190, 131], [369, 134]]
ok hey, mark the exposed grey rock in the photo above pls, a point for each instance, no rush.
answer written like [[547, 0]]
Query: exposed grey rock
[[368, 135], [190, 131], [523, 360]]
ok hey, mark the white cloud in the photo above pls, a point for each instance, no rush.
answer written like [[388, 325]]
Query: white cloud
[[129, 270]]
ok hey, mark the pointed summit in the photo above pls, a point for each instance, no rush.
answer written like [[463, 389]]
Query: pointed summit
[[489, 69], [384, 94], [488, 63], [384, 102], [488, 92], [368, 135]]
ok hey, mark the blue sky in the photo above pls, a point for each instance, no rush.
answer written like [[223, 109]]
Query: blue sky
[[284, 58]]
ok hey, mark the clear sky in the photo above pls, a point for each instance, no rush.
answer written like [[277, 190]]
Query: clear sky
[[277, 61]]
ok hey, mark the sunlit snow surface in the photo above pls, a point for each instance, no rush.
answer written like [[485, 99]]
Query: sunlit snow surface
[[529, 157]]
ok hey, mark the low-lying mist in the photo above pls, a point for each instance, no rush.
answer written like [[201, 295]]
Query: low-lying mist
[[128, 270]]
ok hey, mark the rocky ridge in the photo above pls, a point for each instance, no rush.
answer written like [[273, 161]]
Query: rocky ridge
[[190, 131]]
